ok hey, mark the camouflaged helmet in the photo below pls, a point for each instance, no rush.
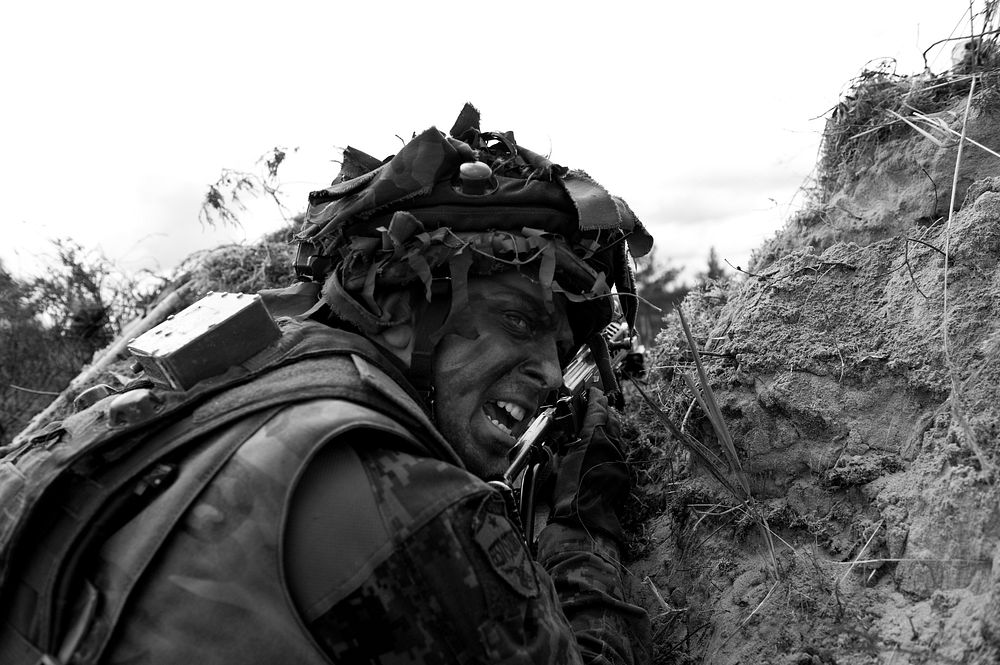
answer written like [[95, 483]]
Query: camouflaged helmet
[[473, 202]]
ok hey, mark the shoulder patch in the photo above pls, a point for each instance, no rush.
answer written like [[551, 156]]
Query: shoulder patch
[[504, 550]]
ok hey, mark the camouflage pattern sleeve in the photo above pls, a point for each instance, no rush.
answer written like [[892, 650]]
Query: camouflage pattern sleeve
[[460, 590], [457, 584], [453, 581], [590, 583]]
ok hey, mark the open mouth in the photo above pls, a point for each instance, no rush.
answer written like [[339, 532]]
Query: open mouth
[[505, 416]]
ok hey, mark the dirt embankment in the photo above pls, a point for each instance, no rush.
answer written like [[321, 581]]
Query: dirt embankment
[[859, 371]]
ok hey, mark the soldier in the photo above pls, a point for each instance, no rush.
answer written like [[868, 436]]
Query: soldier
[[444, 290]]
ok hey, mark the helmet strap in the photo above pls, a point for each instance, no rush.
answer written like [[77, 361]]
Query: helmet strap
[[602, 358], [426, 335]]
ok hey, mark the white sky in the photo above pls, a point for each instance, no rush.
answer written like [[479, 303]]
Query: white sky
[[114, 117]]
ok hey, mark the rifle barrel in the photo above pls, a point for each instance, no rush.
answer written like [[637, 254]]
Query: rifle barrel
[[525, 444]]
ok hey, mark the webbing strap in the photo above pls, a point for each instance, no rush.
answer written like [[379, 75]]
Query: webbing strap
[[426, 334]]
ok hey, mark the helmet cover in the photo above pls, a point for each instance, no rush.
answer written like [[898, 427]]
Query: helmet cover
[[472, 202]]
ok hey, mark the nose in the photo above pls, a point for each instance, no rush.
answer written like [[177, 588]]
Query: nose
[[542, 363]]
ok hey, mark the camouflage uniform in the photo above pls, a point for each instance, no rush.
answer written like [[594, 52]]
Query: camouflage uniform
[[336, 533], [341, 526]]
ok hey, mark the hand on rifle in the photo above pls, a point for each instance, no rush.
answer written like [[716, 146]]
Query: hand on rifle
[[592, 479]]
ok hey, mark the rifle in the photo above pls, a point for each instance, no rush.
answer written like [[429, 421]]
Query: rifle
[[615, 350]]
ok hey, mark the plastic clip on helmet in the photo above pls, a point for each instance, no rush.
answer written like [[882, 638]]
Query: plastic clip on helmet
[[476, 203]]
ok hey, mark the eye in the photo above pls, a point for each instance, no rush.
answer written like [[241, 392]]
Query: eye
[[517, 323]]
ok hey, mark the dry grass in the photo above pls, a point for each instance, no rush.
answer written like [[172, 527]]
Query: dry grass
[[880, 106], [727, 470], [241, 268]]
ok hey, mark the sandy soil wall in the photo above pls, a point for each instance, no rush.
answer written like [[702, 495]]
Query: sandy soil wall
[[858, 371]]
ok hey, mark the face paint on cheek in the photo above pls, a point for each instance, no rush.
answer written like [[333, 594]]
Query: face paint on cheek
[[455, 354], [449, 367]]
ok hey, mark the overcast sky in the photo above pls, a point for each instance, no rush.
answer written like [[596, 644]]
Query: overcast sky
[[705, 116]]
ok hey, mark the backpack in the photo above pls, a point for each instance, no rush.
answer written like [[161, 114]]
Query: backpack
[[70, 486]]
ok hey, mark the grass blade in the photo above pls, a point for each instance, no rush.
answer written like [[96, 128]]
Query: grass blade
[[710, 406], [706, 398], [927, 135], [702, 453]]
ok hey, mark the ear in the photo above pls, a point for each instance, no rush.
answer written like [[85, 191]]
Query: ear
[[397, 338]]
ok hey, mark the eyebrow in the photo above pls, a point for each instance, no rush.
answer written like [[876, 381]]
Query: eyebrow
[[526, 303], [510, 295], [553, 322]]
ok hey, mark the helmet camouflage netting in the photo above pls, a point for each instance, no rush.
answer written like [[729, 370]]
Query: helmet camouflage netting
[[469, 203]]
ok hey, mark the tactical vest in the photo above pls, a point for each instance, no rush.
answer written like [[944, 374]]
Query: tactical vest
[[217, 590], [74, 566]]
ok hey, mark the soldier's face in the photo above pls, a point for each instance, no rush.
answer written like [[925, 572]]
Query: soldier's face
[[488, 388]]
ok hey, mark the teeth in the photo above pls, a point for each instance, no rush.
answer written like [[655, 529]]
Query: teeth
[[503, 428], [516, 412]]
